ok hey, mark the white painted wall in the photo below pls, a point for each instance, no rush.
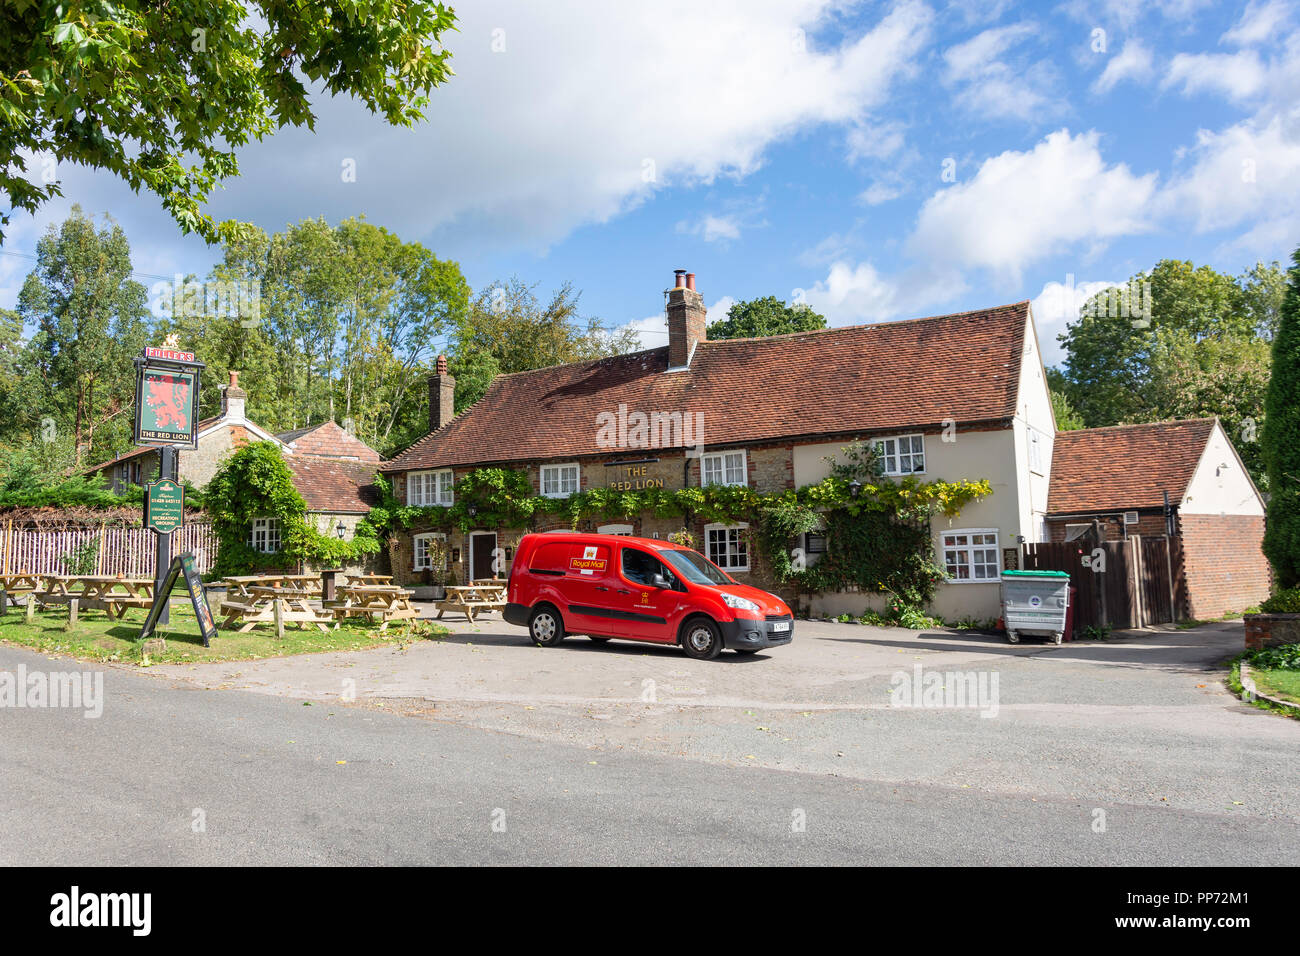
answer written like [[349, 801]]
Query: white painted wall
[[1221, 484], [1016, 507]]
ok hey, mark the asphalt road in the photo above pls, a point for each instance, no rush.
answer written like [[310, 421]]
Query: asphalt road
[[275, 780]]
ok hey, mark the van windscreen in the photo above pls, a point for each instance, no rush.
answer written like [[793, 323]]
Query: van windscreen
[[696, 568]]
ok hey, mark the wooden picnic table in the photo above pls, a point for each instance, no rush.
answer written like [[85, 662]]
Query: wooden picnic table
[[104, 592], [241, 583], [469, 599], [377, 601], [364, 579], [264, 604]]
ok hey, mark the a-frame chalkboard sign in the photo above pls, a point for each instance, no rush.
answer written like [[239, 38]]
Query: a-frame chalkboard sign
[[183, 566]]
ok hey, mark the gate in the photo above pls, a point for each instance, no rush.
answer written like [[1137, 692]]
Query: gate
[[1120, 584]]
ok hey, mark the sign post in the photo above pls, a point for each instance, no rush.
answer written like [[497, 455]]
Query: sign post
[[166, 416]]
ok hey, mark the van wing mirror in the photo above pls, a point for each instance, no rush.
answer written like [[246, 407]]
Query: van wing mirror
[[660, 581]]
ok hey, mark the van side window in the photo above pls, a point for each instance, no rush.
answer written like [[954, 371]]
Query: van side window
[[641, 568]]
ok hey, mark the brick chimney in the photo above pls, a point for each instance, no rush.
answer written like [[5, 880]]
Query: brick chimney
[[685, 320], [233, 400], [442, 396]]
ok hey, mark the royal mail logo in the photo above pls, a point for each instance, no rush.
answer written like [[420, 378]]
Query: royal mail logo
[[589, 561]]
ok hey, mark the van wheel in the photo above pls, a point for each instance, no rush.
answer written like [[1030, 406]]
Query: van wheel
[[545, 626], [701, 639]]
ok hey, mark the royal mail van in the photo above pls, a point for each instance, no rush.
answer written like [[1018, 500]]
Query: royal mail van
[[638, 589]]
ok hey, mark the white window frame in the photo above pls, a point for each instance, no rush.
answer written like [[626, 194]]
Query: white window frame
[[428, 489], [733, 552], [967, 550], [1036, 452], [267, 530], [719, 460], [417, 562], [620, 530], [557, 473], [883, 445]]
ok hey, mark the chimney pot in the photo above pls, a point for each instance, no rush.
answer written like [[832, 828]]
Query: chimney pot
[[234, 379], [680, 278], [690, 281], [442, 364]]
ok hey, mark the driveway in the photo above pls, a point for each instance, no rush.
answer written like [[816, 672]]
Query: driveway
[[1139, 722]]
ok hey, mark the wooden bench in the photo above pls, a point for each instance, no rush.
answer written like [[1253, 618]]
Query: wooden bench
[[471, 599]]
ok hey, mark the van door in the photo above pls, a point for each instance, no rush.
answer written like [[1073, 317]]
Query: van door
[[581, 575], [643, 610]]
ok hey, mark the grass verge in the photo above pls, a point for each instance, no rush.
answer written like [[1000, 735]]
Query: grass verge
[[98, 639]]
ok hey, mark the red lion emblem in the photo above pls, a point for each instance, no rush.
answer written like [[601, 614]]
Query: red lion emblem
[[169, 397]]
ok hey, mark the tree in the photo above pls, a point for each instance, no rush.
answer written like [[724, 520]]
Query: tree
[[163, 94], [765, 316], [1281, 440], [1067, 419], [1202, 350], [90, 320], [507, 326]]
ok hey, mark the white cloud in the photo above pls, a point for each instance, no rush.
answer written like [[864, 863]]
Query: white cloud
[[994, 89], [1055, 306], [711, 228], [1259, 23], [1246, 174], [588, 111], [880, 192], [878, 141], [1024, 206], [1235, 75], [1133, 62], [653, 329]]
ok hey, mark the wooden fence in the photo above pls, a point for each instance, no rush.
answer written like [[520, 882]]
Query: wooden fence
[[127, 551], [1122, 584]]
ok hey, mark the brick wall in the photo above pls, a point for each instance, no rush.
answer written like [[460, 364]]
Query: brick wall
[[1224, 567], [1270, 630], [1150, 524]]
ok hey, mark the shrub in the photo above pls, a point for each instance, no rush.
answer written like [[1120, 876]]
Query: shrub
[[1282, 601], [1280, 441], [1286, 657]]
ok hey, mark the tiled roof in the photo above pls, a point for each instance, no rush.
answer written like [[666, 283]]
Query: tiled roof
[[836, 381], [142, 449], [1125, 466], [330, 485], [328, 440]]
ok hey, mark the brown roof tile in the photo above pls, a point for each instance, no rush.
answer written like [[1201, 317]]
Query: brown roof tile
[[330, 441], [1125, 466], [835, 381], [330, 485]]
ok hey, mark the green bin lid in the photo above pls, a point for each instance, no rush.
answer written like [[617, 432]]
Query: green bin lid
[[1035, 574]]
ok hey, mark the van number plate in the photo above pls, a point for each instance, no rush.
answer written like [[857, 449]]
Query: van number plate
[[781, 626]]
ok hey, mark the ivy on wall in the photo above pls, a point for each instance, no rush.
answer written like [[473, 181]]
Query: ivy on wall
[[878, 533], [254, 483]]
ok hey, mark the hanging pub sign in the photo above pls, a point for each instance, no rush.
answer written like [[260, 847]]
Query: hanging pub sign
[[183, 566], [166, 397]]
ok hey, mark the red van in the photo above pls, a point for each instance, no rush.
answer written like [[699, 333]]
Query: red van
[[638, 589]]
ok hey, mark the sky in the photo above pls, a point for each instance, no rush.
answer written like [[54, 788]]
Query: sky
[[877, 161]]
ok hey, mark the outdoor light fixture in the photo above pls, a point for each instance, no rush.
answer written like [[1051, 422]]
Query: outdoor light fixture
[[855, 488], [472, 510]]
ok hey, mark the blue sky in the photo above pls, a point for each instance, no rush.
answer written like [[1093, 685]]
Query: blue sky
[[797, 148]]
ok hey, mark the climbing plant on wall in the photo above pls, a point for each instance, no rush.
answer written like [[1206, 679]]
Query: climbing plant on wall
[[256, 483], [878, 528]]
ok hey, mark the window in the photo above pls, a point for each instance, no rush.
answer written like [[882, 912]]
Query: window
[[971, 555], [641, 568], [1036, 452], [559, 481], [726, 546], [814, 546], [622, 530], [423, 558], [427, 488], [265, 536], [723, 468], [904, 455]]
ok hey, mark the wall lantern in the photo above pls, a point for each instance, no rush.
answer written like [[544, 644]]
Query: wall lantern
[[472, 510], [855, 488]]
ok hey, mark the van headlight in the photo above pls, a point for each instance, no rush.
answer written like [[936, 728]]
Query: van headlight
[[739, 603]]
